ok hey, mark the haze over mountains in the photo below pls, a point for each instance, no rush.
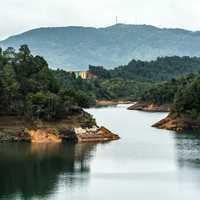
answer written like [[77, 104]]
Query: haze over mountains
[[74, 48]]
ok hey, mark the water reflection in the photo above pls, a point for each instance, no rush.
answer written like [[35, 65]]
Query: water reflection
[[33, 170], [188, 149], [164, 165]]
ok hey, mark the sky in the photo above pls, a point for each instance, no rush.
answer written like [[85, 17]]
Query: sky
[[17, 16]]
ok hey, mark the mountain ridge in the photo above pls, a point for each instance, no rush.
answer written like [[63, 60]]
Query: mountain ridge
[[76, 47]]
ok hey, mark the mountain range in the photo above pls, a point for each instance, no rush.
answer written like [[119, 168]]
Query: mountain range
[[74, 47]]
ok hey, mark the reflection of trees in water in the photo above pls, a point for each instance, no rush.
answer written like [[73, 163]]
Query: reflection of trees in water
[[188, 149], [34, 169]]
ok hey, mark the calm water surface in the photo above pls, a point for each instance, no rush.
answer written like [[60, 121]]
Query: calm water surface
[[146, 164]]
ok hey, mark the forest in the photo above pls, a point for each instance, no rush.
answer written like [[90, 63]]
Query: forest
[[187, 100], [183, 94], [164, 93], [28, 88], [168, 80], [161, 69], [155, 81], [102, 88]]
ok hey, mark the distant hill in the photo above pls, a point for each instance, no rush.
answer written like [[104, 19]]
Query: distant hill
[[161, 69], [74, 48]]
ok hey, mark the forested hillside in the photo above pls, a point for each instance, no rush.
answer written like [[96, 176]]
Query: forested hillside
[[184, 97], [164, 93], [162, 69], [74, 48], [155, 80], [103, 88], [28, 88], [187, 100]]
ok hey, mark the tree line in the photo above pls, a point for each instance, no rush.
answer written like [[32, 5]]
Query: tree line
[[28, 88], [136, 80]]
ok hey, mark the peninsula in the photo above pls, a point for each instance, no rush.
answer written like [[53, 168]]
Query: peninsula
[[35, 107]]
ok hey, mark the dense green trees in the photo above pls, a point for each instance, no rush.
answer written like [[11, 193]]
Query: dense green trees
[[162, 69], [101, 72], [187, 100], [28, 88], [182, 93], [154, 81], [101, 87], [164, 93]]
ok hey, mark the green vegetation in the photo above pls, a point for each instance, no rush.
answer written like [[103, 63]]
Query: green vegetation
[[187, 100], [28, 88], [164, 93], [170, 80], [162, 69], [102, 88], [74, 48], [183, 94], [154, 81]]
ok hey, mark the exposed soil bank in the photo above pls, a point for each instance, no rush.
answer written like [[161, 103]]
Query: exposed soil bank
[[178, 124], [77, 128], [100, 103], [150, 107]]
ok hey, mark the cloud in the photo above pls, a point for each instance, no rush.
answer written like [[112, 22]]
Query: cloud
[[21, 15]]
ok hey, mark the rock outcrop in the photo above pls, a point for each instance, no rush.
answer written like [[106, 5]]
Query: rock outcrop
[[48, 135], [78, 134], [150, 107], [95, 134], [76, 130], [178, 124]]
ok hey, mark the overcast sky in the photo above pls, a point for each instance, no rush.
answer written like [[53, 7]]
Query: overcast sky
[[17, 16]]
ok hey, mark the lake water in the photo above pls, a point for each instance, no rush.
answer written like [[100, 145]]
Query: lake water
[[145, 164]]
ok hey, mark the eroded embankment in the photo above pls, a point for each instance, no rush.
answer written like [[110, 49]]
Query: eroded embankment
[[77, 129], [150, 107]]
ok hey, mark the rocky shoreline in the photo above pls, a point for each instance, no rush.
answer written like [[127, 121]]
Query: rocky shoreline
[[77, 134], [178, 124], [76, 129], [150, 107]]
